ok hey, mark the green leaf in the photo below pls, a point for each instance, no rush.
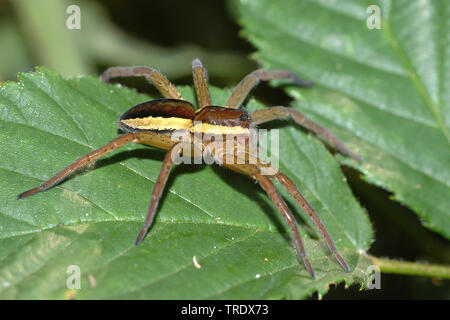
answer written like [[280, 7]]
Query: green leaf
[[92, 219], [16, 54], [385, 92]]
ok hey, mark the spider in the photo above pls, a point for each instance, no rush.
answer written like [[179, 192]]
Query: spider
[[151, 123]]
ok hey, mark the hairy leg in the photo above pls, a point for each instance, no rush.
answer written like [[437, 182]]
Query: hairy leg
[[157, 191], [148, 138], [80, 163], [163, 85], [255, 170], [269, 188], [273, 113], [201, 83], [290, 187], [244, 87]]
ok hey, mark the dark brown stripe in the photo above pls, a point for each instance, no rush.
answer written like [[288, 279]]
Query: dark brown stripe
[[165, 108], [161, 108]]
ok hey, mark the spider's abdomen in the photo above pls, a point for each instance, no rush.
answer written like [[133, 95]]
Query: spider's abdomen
[[163, 115]]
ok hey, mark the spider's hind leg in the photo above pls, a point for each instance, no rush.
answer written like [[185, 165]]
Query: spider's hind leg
[[290, 187], [273, 194], [262, 171], [161, 83], [253, 168]]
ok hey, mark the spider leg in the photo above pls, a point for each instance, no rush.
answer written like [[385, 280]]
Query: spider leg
[[269, 188], [272, 113], [149, 138], [201, 83], [163, 85], [252, 170], [157, 191], [290, 187], [244, 87]]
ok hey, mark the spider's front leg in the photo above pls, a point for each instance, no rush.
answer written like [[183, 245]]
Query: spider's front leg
[[244, 87], [273, 113], [242, 90], [201, 83], [161, 83]]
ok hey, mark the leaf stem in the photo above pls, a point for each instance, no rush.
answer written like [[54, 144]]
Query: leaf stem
[[411, 268]]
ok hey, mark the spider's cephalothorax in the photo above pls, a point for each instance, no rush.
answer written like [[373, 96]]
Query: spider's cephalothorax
[[153, 123]]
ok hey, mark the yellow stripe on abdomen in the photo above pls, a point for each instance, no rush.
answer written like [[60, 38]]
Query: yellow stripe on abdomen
[[158, 123], [207, 128]]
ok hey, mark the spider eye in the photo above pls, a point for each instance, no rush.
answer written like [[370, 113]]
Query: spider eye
[[244, 117]]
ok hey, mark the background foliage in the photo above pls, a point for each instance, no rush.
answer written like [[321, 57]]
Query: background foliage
[[361, 78], [25, 33]]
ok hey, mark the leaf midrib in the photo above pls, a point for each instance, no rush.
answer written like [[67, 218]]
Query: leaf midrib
[[416, 80], [413, 76]]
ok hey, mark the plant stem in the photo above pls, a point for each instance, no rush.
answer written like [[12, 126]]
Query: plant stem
[[411, 268]]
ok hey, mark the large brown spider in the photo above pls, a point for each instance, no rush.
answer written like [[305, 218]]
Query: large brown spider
[[153, 122]]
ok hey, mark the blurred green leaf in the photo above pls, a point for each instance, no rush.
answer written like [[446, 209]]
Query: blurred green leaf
[[92, 219], [52, 43], [14, 53], [385, 92], [110, 45], [100, 42]]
